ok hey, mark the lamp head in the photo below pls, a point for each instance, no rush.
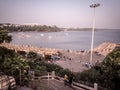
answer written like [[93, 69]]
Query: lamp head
[[94, 5]]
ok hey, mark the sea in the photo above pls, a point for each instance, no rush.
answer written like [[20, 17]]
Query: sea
[[72, 40]]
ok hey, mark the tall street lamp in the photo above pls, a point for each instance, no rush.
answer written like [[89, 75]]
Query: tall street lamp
[[93, 29]]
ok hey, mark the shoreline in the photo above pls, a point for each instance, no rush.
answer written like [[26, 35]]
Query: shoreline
[[76, 61]]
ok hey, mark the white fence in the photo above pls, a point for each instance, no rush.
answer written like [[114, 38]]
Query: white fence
[[75, 84]]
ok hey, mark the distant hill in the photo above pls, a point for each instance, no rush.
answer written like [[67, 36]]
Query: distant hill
[[86, 29], [40, 28]]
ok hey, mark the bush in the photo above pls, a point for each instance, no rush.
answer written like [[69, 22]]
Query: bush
[[106, 75], [90, 75]]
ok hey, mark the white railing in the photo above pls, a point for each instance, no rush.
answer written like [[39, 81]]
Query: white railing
[[75, 84]]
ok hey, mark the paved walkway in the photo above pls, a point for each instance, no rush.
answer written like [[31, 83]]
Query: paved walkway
[[23, 88], [48, 85], [57, 85]]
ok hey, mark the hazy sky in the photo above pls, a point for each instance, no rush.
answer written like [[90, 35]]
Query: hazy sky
[[63, 13]]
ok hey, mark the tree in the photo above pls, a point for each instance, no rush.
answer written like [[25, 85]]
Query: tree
[[11, 63], [111, 70], [107, 74], [4, 36], [32, 55], [4, 54]]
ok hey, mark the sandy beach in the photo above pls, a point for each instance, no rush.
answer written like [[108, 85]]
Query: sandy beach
[[76, 61], [81, 60]]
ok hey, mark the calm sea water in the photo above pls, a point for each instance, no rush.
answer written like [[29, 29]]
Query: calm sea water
[[74, 40]]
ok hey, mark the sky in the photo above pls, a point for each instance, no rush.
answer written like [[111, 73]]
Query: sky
[[62, 13]]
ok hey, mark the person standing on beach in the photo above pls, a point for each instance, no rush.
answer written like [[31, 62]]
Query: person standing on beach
[[70, 79]]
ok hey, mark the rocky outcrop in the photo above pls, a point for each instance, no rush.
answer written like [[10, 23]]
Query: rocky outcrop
[[105, 48]]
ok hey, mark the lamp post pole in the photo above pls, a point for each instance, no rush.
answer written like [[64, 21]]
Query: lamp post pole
[[93, 30]]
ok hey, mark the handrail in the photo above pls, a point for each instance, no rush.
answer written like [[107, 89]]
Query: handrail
[[78, 85]]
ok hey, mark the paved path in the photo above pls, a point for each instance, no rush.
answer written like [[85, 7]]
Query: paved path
[[23, 88], [57, 85], [52, 85]]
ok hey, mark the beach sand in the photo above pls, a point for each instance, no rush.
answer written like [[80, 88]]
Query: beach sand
[[76, 61]]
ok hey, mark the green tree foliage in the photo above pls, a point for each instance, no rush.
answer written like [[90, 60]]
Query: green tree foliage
[[41, 28], [111, 70], [32, 55], [106, 75], [89, 76], [5, 53], [62, 72], [4, 36], [11, 63]]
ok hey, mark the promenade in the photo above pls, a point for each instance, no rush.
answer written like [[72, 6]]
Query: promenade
[[51, 84]]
